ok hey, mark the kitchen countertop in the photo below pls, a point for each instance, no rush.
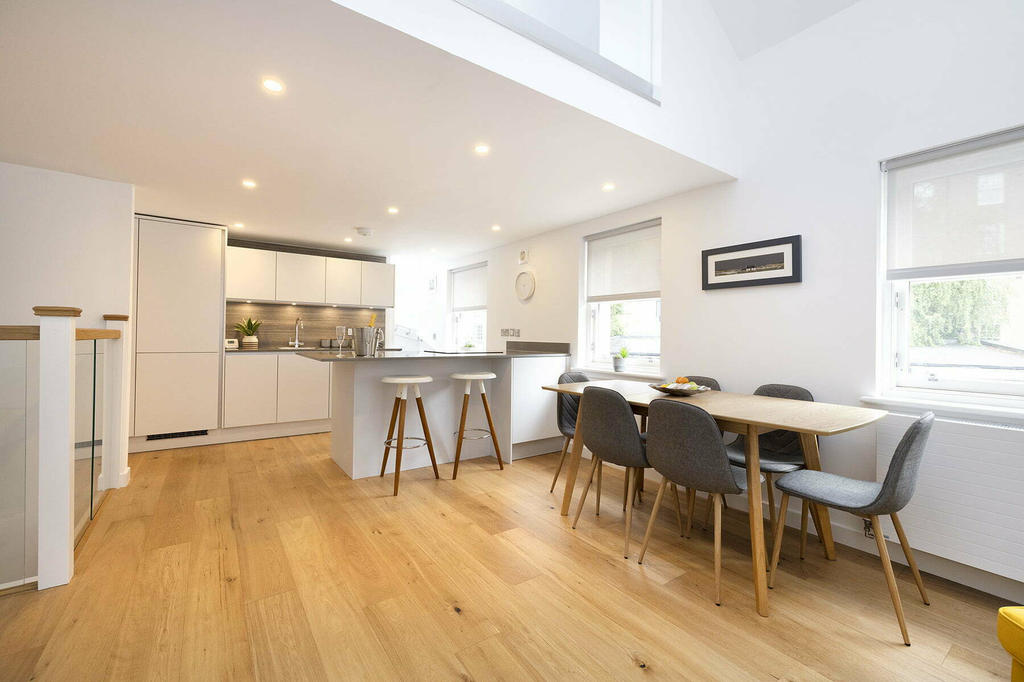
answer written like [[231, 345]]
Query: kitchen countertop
[[334, 356]]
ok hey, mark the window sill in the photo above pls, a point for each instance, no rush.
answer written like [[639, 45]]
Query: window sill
[[1001, 410], [611, 374]]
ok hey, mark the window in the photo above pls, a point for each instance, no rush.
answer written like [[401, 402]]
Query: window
[[954, 287], [623, 285], [468, 297]]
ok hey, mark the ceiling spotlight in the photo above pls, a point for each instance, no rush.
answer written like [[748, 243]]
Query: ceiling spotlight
[[348, 239], [273, 85], [496, 228], [392, 210], [608, 187], [482, 149], [249, 184], [239, 225]]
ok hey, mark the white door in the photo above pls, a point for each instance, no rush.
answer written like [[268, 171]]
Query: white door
[[250, 274], [303, 388], [344, 281], [378, 286], [250, 389], [176, 392], [180, 300], [301, 278]]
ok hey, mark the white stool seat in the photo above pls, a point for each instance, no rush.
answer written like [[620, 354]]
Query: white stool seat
[[474, 376], [407, 379]]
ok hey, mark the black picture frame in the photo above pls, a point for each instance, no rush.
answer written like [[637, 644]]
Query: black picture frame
[[795, 262]]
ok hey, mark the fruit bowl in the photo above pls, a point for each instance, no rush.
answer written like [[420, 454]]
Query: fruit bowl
[[680, 389]]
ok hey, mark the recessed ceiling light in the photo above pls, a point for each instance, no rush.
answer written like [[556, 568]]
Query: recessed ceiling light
[[273, 85], [248, 301], [249, 184], [482, 149], [608, 187], [495, 227], [293, 304], [392, 210], [348, 239], [239, 225]]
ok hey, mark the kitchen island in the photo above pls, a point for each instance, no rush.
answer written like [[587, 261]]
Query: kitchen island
[[524, 415]]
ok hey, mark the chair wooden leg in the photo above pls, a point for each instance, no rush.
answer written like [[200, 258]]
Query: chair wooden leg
[[890, 578], [426, 434], [707, 512], [586, 489], [777, 541], [597, 502], [391, 433], [679, 509], [561, 461], [625, 488], [771, 510], [907, 552], [804, 508], [629, 511], [691, 503], [462, 432], [490, 425], [401, 440], [718, 549], [650, 523], [638, 486]]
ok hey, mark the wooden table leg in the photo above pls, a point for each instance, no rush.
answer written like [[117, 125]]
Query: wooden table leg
[[574, 461], [819, 512], [757, 547]]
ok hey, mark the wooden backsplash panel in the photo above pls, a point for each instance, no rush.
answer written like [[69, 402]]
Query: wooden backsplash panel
[[279, 321]]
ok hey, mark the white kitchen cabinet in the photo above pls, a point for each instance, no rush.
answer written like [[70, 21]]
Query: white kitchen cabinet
[[303, 388], [344, 281], [378, 284], [533, 408], [250, 389], [180, 288], [301, 278], [250, 274], [176, 392]]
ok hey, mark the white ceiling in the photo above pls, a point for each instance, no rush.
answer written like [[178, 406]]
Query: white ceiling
[[753, 25], [167, 96]]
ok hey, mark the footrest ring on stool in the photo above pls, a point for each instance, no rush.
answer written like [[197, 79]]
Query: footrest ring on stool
[[481, 433], [391, 442]]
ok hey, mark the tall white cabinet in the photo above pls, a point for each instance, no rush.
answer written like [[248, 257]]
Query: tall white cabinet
[[179, 326]]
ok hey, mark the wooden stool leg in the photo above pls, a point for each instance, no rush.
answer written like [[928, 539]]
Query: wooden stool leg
[[401, 439], [804, 508], [679, 508], [490, 425], [650, 524], [426, 430], [691, 504], [597, 502], [890, 578], [718, 549], [777, 542], [391, 433], [561, 461], [910, 558], [462, 432], [586, 489], [629, 510]]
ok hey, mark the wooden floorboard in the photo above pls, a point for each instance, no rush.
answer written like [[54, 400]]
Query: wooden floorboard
[[262, 560]]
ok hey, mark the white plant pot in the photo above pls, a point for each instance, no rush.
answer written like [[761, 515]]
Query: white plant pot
[[250, 343], [618, 363]]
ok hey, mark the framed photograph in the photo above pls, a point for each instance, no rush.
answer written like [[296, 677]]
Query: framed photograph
[[773, 261]]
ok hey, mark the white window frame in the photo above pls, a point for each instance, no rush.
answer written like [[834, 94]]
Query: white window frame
[[587, 359], [892, 379], [455, 311]]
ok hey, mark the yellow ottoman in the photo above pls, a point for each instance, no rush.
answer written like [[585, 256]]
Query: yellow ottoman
[[1010, 627]]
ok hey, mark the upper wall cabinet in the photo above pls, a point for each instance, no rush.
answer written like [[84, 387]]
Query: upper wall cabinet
[[378, 284], [180, 300], [250, 274], [301, 278], [344, 281]]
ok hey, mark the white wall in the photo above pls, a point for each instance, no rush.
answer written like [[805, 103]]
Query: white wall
[[66, 240], [819, 112]]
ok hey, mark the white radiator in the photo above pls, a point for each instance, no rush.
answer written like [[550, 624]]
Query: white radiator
[[969, 504]]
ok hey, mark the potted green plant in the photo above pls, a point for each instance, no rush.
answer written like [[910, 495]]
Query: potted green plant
[[248, 328], [619, 359]]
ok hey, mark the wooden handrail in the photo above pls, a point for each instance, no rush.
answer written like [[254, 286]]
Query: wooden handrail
[[15, 332], [90, 334], [119, 318], [56, 311]]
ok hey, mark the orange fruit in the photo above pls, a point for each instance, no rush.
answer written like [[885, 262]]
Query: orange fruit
[[682, 380]]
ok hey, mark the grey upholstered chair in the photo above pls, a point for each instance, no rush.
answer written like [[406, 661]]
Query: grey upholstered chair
[[869, 500], [566, 410], [691, 494], [705, 381], [611, 435], [780, 453], [685, 446]]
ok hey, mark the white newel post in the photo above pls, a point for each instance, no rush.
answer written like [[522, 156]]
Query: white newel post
[[114, 472], [56, 444]]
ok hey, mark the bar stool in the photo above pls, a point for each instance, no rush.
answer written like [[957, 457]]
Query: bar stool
[[398, 414], [469, 378]]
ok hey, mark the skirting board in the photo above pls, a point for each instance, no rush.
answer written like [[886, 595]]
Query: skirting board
[[241, 433]]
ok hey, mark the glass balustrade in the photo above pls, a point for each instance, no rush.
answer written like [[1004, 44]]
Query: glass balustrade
[[88, 430], [19, 415]]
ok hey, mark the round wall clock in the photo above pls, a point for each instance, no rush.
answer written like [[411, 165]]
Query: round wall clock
[[526, 284]]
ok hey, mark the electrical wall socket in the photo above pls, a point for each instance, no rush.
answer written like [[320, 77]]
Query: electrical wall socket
[[869, 532], [506, 331]]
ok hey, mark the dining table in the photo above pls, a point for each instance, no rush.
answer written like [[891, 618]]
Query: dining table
[[745, 414]]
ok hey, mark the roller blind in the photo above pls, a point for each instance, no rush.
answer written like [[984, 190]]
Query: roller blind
[[625, 263], [958, 210], [469, 287]]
